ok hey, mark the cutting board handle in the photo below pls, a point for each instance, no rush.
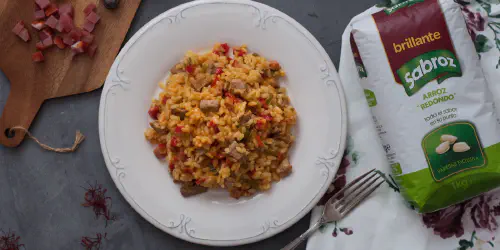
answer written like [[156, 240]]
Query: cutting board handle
[[20, 110]]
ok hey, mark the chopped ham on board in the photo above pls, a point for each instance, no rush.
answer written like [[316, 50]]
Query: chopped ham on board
[[66, 23], [90, 8], [37, 57], [52, 22], [51, 18], [19, 26], [42, 3], [40, 46], [93, 17], [88, 26], [39, 14], [78, 47], [58, 41], [87, 37], [66, 9], [51, 10], [76, 34], [38, 24], [21, 31]]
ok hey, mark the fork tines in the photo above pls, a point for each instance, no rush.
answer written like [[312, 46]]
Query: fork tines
[[362, 187]]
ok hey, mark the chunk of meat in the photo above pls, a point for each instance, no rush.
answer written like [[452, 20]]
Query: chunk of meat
[[42, 3], [39, 46], [274, 65], [58, 41], [209, 105], [175, 70], [51, 10], [189, 189], [238, 84], [39, 14], [246, 117], [78, 47], [93, 17], [180, 112], [37, 57], [210, 66], [160, 151], [18, 28], [52, 22], [66, 9], [68, 40], [66, 22], [25, 35], [90, 8], [46, 37], [38, 24], [284, 169], [76, 34], [158, 128], [276, 131], [87, 37], [233, 152], [89, 26], [199, 83]]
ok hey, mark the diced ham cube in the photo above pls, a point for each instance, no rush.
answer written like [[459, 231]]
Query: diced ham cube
[[24, 34], [52, 22], [51, 10], [93, 17], [59, 27], [68, 40], [38, 24], [48, 42], [76, 34], [88, 26], [40, 46], [91, 50], [58, 41], [78, 47], [42, 3], [66, 9], [87, 37], [45, 33], [18, 28], [46, 37], [39, 14], [66, 22], [90, 8], [37, 57]]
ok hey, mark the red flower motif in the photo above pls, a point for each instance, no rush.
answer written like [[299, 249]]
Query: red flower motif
[[475, 21]]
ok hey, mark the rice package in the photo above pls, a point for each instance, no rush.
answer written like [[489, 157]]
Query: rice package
[[430, 101]]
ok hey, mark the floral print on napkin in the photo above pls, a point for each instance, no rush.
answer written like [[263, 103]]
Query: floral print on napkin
[[470, 225]]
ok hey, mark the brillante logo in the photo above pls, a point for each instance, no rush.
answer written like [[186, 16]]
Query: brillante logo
[[413, 42]]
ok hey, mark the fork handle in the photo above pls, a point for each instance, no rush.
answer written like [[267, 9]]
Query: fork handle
[[295, 243]]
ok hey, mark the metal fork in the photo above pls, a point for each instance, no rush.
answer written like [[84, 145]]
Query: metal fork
[[335, 210]]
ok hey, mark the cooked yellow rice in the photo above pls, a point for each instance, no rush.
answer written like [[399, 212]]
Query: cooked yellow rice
[[242, 145]]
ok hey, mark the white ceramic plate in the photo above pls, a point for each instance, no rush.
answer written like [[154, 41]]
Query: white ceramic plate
[[214, 218]]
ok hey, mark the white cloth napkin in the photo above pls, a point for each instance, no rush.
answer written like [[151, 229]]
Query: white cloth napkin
[[385, 222]]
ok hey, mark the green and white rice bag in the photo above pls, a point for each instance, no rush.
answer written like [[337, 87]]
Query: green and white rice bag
[[430, 101]]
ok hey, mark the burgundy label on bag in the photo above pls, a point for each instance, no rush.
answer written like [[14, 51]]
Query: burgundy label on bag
[[417, 44]]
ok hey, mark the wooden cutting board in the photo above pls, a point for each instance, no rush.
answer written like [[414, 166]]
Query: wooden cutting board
[[60, 75]]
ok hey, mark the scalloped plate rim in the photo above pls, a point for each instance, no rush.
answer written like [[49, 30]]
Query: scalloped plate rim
[[113, 169]]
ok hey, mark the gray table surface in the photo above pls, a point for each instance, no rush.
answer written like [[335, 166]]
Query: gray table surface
[[40, 191]]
